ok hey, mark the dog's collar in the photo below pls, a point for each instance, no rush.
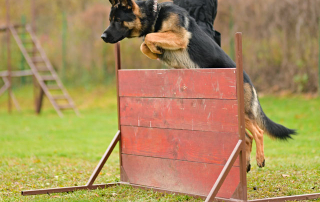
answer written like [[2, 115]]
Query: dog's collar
[[156, 10], [155, 6]]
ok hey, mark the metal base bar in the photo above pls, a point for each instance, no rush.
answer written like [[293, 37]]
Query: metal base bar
[[67, 189], [105, 186], [289, 198], [93, 177]]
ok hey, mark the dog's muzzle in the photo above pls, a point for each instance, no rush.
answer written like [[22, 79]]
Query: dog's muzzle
[[109, 38], [104, 37]]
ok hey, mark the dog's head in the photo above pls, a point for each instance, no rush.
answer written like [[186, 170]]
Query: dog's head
[[125, 21]]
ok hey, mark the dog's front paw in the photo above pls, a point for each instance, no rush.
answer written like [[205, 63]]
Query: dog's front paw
[[152, 45], [154, 49], [145, 50]]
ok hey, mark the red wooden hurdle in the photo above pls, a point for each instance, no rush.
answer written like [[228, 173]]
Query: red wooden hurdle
[[180, 131]]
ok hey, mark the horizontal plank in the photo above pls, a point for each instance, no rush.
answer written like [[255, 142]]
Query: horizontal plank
[[53, 87], [48, 78], [16, 73], [183, 83], [67, 106], [5, 27], [180, 176], [186, 114], [197, 146]]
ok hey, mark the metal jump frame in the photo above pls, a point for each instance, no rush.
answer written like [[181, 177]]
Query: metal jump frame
[[239, 150]]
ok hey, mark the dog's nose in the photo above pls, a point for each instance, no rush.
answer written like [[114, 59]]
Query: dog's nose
[[104, 36]]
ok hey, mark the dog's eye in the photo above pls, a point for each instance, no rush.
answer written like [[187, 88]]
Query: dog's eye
[[120, 21]]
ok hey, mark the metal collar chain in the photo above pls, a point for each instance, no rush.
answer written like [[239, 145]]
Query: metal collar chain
[[155, 6]]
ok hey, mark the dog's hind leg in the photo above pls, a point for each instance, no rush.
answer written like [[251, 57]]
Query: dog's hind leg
[[167, 41], [257, 134], [145, 50]]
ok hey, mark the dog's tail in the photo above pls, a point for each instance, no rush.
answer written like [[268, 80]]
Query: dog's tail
[[273, 129]]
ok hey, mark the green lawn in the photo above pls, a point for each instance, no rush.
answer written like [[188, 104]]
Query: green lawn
[[47, 151]]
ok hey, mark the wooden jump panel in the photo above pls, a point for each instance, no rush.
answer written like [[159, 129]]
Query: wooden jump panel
[[186, 114], [180, 176], [204, 83], [178, 129], [197, 146]]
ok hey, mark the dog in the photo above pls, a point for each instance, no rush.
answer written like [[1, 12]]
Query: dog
[[173, 37]]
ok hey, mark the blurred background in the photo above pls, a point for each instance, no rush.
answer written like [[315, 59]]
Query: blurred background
[[281, 43], [281, 40]]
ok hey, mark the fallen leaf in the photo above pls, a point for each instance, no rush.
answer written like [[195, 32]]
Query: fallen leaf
[[283, 175]]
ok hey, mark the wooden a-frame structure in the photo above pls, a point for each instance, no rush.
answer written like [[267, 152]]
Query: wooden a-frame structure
[[182, 132], [40, 68]]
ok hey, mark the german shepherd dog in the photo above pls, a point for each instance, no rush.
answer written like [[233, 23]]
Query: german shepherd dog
[[172, 36]]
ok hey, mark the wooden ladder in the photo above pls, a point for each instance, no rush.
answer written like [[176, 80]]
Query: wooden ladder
[[43, 70]]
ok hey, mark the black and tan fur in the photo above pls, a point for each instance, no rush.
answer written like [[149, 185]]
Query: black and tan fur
[[174, 37]]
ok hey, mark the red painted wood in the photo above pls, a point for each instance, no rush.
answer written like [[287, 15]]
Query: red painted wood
[[178, 128], [188, 114], [200, 83], [197, 146], [181, 176]]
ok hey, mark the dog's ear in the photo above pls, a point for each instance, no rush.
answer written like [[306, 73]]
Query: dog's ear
[[113, 2], [129, 4]]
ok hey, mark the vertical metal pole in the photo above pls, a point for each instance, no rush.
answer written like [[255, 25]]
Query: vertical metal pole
[[9, 56], [118, 67], [123, 176], [240, 96]]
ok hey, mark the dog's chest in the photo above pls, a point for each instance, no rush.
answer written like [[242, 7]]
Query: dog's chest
[[178, 59]]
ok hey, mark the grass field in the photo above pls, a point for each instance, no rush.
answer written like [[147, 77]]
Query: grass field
[[46, 151]]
